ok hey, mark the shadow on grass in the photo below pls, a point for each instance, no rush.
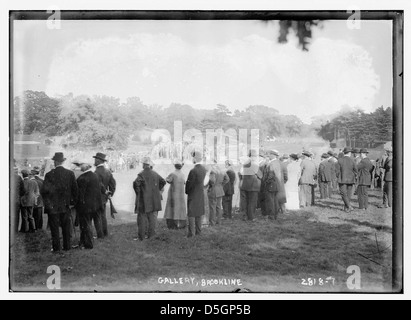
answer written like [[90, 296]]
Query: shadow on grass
[[267, 256]]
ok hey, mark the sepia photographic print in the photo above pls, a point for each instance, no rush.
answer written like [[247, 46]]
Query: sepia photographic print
[[206, 151]]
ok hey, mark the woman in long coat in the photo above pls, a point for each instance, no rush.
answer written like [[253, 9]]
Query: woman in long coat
[[176, 211]]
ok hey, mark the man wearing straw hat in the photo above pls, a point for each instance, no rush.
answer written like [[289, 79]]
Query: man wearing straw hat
[[147, 186], [59, 193], [109, 186]]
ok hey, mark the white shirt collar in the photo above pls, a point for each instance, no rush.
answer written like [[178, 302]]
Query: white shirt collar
[[88, 170], [100, 165]]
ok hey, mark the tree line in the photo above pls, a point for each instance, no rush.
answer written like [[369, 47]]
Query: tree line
[[105, 122], [359, 129]]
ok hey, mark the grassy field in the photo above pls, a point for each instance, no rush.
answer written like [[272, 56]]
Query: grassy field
[[262, 256]]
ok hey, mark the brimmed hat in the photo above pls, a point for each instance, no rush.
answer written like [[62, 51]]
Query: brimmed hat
[[285, 156], [363, 150], [330, 153], [325, 155], [100, 156], [25, 172], [346, 150], [306, 153], [355, 150], [274, 152], [58, 156], [147, 160]]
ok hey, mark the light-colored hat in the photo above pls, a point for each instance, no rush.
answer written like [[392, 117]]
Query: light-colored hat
[[274, 152], [147, 160]]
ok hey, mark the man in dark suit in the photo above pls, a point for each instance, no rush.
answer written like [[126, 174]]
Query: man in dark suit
[[228, 191], [89, 204], [325, 176], [365, 169], [346, 174], [109, 186], [147, 186], [39, 207], [59, 193], [195, 195], [215, 192]]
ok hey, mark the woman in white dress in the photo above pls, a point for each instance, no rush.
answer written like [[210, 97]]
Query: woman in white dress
[[291, 187]]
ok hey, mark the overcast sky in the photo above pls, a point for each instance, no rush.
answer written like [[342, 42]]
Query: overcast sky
[[203, 63]]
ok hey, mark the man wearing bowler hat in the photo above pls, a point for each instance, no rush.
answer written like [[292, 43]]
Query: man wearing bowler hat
[[365, 168], [109, 186], [346, 175], [59, 193]]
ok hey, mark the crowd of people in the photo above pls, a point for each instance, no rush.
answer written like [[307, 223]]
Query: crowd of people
[[268, 181]]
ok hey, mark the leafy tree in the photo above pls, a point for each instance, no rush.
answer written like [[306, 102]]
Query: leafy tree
[[35, 111]]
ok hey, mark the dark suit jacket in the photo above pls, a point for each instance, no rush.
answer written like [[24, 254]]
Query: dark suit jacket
[[229, 187], [346, 170], [195, 191], [365, 168], [89, 198], [59, 190], [147, 187], [325, 171], [40, 181], [271, 178], [107, 181]]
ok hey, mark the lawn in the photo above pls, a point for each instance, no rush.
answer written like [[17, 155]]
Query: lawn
[[263, 256]]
